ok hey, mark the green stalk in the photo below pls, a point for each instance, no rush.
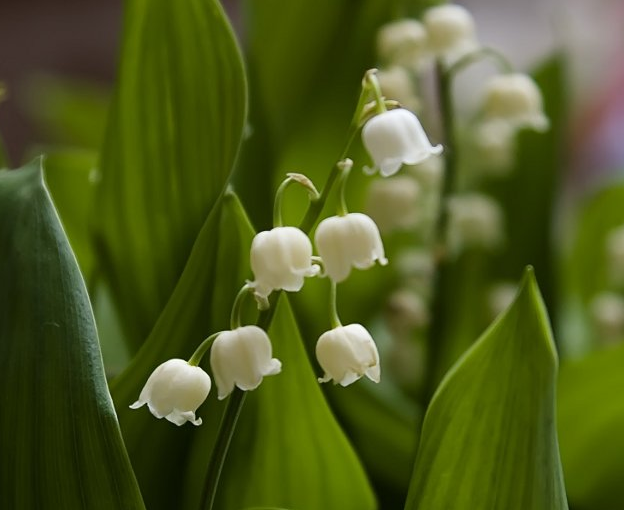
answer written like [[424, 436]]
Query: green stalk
[[440, 284], [237, 397]]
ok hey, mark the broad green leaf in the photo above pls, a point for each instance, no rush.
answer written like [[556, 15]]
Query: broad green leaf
[[172, 137], [199, 306], [60, 440], [489, 440], [591, 420], [288, 447]]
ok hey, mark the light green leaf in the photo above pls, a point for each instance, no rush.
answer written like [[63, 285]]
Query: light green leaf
[[489, 438], [288, 447], [172, 137], [60, 440], [591, 420], [199, 306]]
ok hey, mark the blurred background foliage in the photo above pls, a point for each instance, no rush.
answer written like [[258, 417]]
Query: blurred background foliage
[[159, 202]]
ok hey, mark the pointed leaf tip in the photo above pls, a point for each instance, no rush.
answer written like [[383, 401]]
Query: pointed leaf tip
[[489, 439]]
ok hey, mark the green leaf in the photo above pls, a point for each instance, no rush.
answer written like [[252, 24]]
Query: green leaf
[[489, 438], [60, 440], [288, 447], [199, 306], [172, 137], [591, 420]]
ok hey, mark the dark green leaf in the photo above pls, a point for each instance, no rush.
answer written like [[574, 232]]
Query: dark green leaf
[[489, 438], [199, 306], [288, 447], [172, 138], [591, 420], [60, 440]]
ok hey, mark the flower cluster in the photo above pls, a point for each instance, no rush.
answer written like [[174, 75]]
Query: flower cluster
[[281, 259]]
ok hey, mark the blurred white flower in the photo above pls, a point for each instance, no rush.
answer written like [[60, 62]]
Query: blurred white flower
[[607, 312], [394, 138], [500, 297], [393, 203], [346, 241], [346, 353], [174, 391], [280, 259], [404, 43], [406, 311], [242, 357], [514, 98], [450, 32], [475, 221], [396, 83], [494, 144]]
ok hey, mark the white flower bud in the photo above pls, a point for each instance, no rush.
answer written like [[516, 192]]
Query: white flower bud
[[450, 31], [346, 353], [514, 98], [475, 221], [615, 256], [396, 137], [346, 241], [403, 42], [396, 84], [242, 357], [607, 311], [280, 259], [174, 391], [393, 203]]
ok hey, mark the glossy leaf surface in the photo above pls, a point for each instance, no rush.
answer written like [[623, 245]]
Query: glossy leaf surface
[[489, 439], [173, 134], [60, 440]]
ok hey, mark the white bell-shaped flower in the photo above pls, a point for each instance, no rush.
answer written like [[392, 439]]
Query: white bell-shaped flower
[[174, 391], [346, 353], [514, 98], [348, 241], [242, 357], [394, 138], [403, 43], [280, 259], [450, 31]]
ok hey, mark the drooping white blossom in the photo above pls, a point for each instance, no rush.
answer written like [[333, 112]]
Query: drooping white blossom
[[450, 32], [394, 138], [242, 357], [280, 259], [174, 391], [348, 241], [347, 353], [514, 98]]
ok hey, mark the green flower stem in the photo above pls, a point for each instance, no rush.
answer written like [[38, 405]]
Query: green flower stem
[[237, 397], [235, 315], [291, 178], [345, 168], [440, 284], [197, 356], [477, 56], [372, 82], [222, 445], [333, 308]]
